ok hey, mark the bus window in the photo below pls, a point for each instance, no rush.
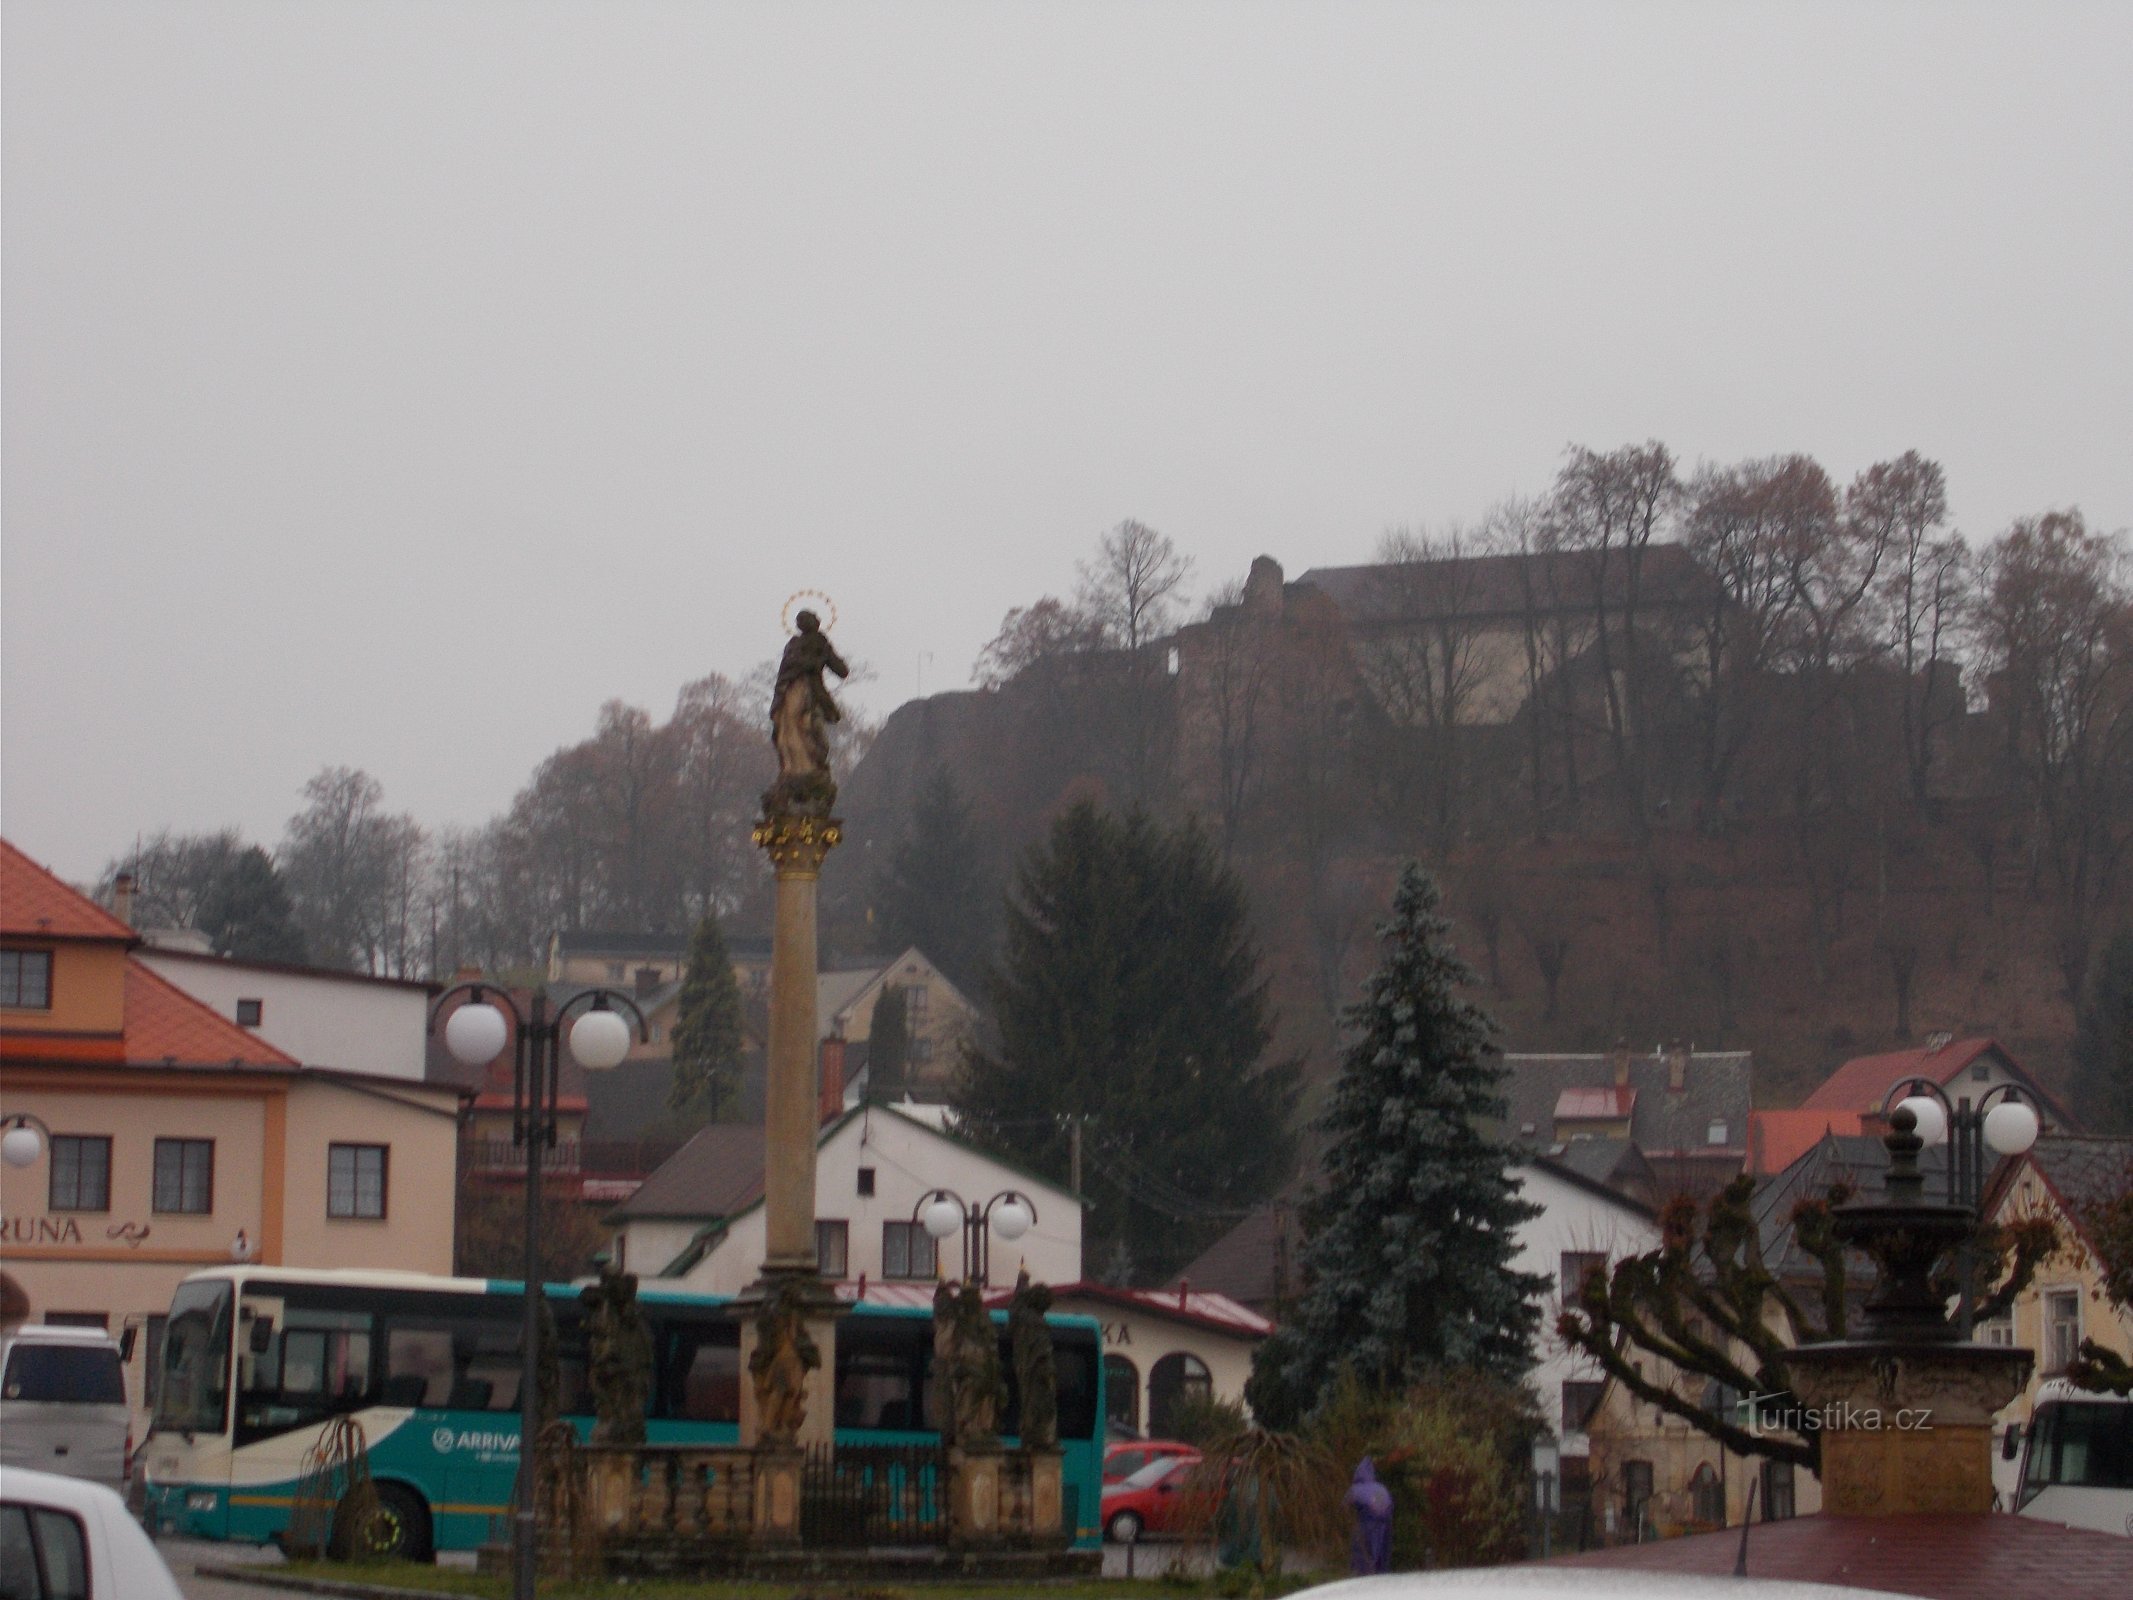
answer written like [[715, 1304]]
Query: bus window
[[317, 1366], [418, 1367], [704, 1375], [877, 1389], [194, 1396], [2080, 1446]]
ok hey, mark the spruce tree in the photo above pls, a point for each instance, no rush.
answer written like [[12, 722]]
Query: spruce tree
[[2103, 1042], [936, 893], [888, 1046], [1408, 1246], [1129, 997], [707, 1031], [247, 912]]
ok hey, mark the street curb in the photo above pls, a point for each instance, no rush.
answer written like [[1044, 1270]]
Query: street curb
[[275, 1576]]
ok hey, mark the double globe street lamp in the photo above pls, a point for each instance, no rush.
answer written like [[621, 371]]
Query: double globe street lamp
[[1010, 1213], [475, 1033], [2000, 1120]]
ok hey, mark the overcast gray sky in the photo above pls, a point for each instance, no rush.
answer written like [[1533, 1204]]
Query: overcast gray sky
[[391, 384]]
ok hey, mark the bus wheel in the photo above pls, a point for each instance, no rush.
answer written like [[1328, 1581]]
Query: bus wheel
[[401, 1529]]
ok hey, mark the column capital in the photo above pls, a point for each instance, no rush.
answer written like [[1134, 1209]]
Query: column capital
[[797, 845]]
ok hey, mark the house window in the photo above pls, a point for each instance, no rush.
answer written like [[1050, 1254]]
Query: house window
[[1777, 1491], [26, 979], [1998, 1330], [1707, 1496], [249, 1012], [1715, 1134], [921, 1051], [1578, 1265], [908, 1251], [1980, 1071], [914, 1006], [1580, 1400], [2062, 1328], [355, 1180], [185, 1176], [832, 1247], [617, 971], [866, 1180], [81, 1172]]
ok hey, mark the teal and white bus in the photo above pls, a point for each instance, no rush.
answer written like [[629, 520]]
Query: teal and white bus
[[258, 1361]]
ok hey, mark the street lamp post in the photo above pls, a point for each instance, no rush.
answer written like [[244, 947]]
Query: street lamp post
[[476, 1033], [941, 1211], [2000, 1120]]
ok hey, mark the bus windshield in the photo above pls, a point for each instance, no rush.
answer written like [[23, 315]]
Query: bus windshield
[[2080, 1445], [196, 1359]]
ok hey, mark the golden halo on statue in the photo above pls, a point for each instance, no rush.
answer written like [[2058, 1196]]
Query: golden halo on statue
[[785, 617]]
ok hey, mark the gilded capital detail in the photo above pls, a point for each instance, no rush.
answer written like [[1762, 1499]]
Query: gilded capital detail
[[797, 845]]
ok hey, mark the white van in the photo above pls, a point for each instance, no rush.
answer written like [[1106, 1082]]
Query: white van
[[63, 1403], [2077, 1459]]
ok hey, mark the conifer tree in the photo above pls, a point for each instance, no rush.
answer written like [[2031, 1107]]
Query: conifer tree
[[888, 1046], [707, 1031], [1408, 1245], [936, 893], [1129, 997], [2103, 1041]]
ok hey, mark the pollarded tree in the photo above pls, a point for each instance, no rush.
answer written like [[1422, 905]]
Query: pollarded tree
[[1408, 1245], [707, 1029], [1129, 997]]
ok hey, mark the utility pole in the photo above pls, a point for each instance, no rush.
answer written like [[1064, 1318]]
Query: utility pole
[[1074, 1156]]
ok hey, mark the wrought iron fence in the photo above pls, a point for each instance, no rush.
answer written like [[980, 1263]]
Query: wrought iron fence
[[874, 1495]]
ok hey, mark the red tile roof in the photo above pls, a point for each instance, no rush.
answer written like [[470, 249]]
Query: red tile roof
[[1776, 1139], [165, 1025], [1863, 1082], [1940, 1557], [36, 904]]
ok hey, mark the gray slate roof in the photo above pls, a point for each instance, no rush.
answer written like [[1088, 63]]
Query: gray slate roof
[[2084, 1170], [718, 1172], [1714, 1089], [1859, 1159]]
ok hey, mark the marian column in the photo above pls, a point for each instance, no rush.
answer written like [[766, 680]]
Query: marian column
[[789, 1332]]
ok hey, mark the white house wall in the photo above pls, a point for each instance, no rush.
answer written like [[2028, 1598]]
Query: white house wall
[[1572, 1218], [907, 1162], [352, 1024]]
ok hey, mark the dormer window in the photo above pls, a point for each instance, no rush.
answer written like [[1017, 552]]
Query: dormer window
[[1716, 1133], [249, 1012], [26, 980]]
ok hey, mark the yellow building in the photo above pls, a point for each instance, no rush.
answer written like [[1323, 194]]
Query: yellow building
[[169, 1138], [2058, 1178]]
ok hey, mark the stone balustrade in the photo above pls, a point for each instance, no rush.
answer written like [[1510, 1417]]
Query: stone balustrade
[[670, 1494]]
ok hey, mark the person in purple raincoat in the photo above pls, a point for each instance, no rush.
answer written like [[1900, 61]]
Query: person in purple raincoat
[[1372, 1549]]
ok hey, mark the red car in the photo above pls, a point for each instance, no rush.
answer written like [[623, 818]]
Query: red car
[[1155, 1499], [1128, 1456]]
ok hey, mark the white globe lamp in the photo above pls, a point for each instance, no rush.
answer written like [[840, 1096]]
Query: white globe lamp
[[941, 1218], [475, 1034], [2010, 1127], [600, 1039], [1011, 1219], [21, 1145], [1932, 1123]]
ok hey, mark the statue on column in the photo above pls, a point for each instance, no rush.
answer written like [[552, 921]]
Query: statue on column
[[966, 1367], [1036, 1370], [621, 1350], [801, 711], [785, 1353]]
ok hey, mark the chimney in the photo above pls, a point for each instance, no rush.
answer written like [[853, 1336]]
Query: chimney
[[832, 1105], [1677, 1066], [1618, 1057], [122, 898], [647, 980]]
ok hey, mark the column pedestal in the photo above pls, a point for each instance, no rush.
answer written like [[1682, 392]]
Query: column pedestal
[[1906, 1427]]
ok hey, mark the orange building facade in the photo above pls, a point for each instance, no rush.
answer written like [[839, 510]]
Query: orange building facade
[[170, 1138]]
